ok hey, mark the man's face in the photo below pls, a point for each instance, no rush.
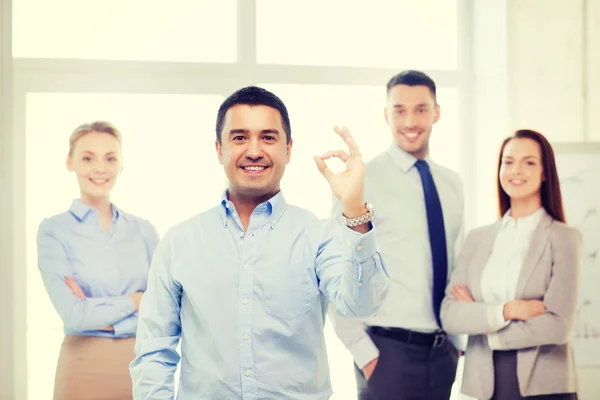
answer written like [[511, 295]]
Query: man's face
[[410, 113], [254, 151]]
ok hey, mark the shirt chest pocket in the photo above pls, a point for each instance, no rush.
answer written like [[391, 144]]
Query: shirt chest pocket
[[287, 291]]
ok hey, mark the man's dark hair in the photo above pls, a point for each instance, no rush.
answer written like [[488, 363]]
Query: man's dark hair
[[254, 96], [413, 78]]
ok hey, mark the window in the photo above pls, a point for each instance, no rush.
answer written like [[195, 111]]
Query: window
[[169, 158], [185, 31], [386, 33]]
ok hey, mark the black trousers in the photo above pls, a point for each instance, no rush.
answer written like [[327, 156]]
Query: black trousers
[[408, 371], [506, 383]]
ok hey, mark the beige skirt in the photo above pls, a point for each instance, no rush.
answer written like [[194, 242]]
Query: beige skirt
[[94, 368]]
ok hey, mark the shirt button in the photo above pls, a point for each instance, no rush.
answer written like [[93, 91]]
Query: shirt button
[[246, 337], [122, 314], [348, 243], [359, 247], [359, 283], [242, 234], [245, 302], [246, 267], [248, 373]]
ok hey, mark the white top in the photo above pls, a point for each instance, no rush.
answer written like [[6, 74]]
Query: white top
[[393, 186], [501, 273]]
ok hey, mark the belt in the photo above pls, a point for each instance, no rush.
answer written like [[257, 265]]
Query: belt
[[435, 339]]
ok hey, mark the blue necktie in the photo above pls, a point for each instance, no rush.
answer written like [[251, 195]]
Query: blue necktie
[[437, 236]]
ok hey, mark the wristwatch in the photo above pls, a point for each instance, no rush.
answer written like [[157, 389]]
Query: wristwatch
[[363, 219]]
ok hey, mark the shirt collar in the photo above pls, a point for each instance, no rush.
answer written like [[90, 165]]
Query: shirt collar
[[528, 223], [404, 160], [81, 210], [273, 208]]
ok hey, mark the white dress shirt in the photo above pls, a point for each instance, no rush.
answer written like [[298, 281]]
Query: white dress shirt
[[393, 185], [501, 273]]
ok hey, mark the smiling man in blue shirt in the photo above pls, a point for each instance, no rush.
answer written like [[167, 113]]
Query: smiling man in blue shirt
[[245, 286]]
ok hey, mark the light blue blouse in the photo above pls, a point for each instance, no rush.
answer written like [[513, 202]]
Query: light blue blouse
[[108, 267]]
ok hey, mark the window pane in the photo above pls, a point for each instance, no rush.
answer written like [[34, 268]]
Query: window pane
[[314, 110], [185, 30], [170, 173], [380, 33]]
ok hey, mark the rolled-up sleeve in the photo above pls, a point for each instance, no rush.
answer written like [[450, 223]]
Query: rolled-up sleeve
[[351, 271], [126, 327]]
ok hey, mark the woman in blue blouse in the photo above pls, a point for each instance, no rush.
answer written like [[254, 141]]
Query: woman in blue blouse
[[94, 260]]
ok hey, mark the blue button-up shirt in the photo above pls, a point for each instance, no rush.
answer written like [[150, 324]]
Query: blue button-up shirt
[[108, 267], [250, 306]]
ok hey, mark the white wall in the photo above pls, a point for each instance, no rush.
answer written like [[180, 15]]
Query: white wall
[[592, 68], [547, 71], [554, 63]]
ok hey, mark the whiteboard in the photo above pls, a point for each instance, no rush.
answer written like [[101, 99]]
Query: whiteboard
[[579, 172]]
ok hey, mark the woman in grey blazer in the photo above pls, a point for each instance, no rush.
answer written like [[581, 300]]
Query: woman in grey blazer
[[515, 286]]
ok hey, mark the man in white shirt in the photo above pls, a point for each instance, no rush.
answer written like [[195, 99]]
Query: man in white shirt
[[402, 352]]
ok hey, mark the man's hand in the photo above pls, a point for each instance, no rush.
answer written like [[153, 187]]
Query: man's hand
[[369, 368], [137, 298], [75, 288], [523, 310], [461, 293], [348, 186]]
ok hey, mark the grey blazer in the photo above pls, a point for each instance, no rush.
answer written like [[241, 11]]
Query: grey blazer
[[545, 362]]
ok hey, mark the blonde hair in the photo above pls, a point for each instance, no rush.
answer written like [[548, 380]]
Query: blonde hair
[[96, 126]]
